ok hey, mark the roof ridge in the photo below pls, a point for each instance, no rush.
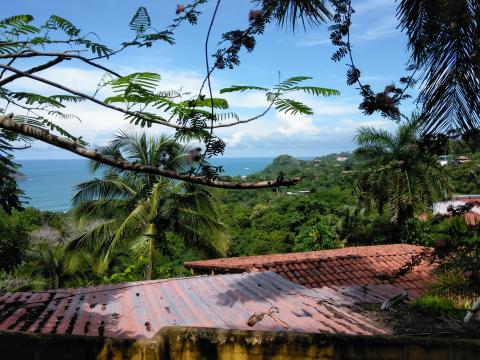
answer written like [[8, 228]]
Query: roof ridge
[[241, 262]]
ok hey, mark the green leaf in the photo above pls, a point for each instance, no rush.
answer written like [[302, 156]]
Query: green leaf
[[241, 88], [31, 98], [96, 48], [287, 84], [15, 20], [164, 104], [164, 35], [225, 116], [314, 90], [9, 49], [44, 123], [18, 25], [140, 21], [292, 106], [68, 98], [217, 103], [54, 100], [147, 81], [56, 22]]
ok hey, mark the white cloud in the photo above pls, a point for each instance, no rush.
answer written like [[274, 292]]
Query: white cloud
[[82, 80], [314, 41], [246, 100], [275, 133], [383, 28], [300, 124], [235, 139]]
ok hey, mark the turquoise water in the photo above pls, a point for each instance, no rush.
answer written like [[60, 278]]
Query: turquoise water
[[50, 183]]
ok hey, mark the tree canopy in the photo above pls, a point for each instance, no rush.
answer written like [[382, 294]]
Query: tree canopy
[[442, 40]]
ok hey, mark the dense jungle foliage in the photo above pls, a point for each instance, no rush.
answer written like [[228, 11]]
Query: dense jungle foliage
[[324, 211]]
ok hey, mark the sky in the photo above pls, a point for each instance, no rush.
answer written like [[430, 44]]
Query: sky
[[379, 50]]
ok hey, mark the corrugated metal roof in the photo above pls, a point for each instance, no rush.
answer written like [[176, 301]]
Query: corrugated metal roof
[[350, 266], [139, 310]]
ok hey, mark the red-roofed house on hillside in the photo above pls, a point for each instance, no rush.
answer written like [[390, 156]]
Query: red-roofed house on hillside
[[351, 266], [472, 217]]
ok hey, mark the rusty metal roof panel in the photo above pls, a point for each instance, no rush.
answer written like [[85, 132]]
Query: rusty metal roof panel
[[249, 301]]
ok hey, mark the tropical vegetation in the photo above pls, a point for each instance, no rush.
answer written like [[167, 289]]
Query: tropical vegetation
[[149, 209], [135, 212], [399, 172]]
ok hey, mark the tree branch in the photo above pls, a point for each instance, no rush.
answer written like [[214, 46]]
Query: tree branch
[[32, 70], [7, 123], [245, 121], [91, 98], [159, 121], [66, 55]]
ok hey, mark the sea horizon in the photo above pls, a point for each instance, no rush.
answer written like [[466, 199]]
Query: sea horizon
[[49, 184]]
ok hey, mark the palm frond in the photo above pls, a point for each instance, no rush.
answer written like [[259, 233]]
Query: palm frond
[[442, 37], [109, 189], [290, 12], [135, 220]]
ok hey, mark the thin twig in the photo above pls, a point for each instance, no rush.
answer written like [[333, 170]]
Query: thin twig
[[207, 38]]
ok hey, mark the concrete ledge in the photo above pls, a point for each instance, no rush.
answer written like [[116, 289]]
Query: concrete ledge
[[200, 343]]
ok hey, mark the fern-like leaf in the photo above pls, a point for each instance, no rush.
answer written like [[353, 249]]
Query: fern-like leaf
[[94, 47], [160, 36], [15, 20], [144, 80], [140, 21], [68, 98], [241, 88], [31, 98], [217, 103], [18, 25], [290, 82], [226, 116], [54, 100], [292, 106], [56, 22], [314, 90]]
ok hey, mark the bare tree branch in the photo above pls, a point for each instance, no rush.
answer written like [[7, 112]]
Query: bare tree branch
[[27, 146], [67, 55], [32, 70], [7, 123], [247, 120]]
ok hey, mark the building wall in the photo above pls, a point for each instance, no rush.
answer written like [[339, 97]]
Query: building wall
[[203, 344]]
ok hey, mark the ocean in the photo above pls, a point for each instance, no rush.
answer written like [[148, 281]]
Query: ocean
[[49, 184]]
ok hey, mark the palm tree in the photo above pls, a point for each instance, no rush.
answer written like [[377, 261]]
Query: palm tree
[[135, 211], [442, 39], [398, 171], [49, 266]]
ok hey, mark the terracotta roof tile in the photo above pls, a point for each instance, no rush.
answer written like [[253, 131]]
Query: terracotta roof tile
[[353, 265]]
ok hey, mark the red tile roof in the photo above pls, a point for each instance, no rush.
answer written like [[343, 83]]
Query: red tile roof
[[363, 265], [472, 218], [139, 310]]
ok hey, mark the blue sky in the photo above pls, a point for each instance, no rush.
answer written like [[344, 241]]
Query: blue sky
[[379, 49]]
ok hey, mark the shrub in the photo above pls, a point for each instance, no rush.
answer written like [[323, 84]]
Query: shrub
[[322, 235], [434, 304]]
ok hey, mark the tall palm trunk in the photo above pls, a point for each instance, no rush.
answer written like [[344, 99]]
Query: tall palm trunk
[[151, 233]]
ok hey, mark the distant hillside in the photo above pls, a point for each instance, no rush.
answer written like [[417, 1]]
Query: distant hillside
[[322, 171]]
